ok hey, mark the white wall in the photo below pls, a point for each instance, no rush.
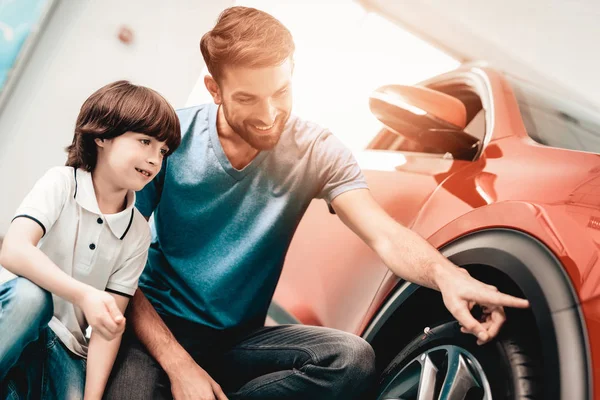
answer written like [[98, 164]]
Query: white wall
[[77, 53], [551, 42]]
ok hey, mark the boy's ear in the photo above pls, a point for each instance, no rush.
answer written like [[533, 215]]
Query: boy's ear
[[99, 142], [213, 88]]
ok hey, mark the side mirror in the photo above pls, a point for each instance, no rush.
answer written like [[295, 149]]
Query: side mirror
[[427, 116]]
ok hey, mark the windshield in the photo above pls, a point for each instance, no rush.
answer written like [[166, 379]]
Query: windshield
[[557, 121]]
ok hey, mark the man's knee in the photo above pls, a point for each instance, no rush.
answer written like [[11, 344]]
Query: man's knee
[[358, 357], [356, 360]]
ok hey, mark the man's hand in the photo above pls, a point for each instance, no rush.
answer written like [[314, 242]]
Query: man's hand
[[461, 292], [102, 313], [192, 382]]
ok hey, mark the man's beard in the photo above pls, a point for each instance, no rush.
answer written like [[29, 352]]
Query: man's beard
[[257, 140]]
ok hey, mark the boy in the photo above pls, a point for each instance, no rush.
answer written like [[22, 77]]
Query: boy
[[78, 236]]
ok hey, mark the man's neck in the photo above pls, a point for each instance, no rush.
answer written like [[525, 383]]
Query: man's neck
[[237, 150]]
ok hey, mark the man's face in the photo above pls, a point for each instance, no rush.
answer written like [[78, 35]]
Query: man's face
[[257, 102]]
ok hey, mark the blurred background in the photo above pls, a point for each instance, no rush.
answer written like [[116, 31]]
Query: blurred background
[[55, 53]]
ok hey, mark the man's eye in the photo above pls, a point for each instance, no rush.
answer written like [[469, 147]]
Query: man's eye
[[145, 141], [244, 101]]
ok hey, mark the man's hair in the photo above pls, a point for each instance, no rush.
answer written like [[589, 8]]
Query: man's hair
[[115, 109], [246, 37]]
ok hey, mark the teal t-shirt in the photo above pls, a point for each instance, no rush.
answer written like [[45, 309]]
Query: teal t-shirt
[[220, 235]]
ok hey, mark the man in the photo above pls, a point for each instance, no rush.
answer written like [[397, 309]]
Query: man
[[225, 208]]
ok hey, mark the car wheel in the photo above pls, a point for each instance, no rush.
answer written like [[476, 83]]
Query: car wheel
[[446, 364]]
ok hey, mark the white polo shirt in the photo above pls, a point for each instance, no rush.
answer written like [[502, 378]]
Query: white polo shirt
[[106, 251]]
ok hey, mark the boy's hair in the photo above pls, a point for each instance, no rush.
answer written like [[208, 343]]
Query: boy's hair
[[115, 109], [247, 37]]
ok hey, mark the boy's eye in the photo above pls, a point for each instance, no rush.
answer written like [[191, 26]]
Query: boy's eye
[[164, 152], [145, 141]]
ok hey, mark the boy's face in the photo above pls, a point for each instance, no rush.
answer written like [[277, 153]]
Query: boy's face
[[132, 159], [256, 102]]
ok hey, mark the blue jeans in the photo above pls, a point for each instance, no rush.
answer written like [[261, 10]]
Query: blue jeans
[[34, 364], [276, 362]]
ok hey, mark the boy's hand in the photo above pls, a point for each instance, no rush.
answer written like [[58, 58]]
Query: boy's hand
[[102, 313]]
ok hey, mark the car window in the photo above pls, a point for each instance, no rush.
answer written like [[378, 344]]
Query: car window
[[556, 121], [387, 139], [476, 127]]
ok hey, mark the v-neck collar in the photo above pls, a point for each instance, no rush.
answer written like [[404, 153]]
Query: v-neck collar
[[237, 174]]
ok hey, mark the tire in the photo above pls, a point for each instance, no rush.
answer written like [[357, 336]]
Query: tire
[[505, 368]]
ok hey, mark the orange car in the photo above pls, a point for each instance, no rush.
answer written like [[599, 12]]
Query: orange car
[[504, 179]]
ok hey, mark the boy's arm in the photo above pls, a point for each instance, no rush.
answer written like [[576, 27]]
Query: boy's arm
[[21, 256], [101, 357]]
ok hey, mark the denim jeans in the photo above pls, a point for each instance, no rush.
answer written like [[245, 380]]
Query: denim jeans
[[34, 364], [277, 362]]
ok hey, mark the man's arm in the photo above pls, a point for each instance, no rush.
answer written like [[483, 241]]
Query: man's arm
[[156, 336], [188, 380], [412, 258], [101, 356]]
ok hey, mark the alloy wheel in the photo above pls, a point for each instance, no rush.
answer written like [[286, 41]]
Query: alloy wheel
[[445, 372]]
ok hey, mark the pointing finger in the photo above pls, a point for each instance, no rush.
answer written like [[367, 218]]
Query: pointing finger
[[492, 298]]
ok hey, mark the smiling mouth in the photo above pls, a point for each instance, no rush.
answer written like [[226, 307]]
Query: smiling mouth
[[144, 172], [264, 128]]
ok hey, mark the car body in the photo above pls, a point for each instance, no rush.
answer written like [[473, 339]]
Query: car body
[[517, 213]]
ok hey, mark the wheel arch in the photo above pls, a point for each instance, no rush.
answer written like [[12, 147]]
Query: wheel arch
[[539, 276]]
